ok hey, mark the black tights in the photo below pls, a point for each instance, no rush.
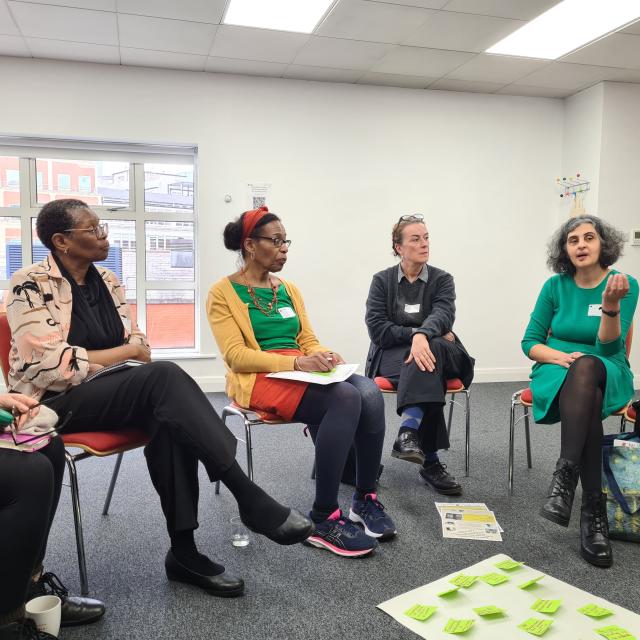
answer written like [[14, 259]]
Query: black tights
[[580, 416]]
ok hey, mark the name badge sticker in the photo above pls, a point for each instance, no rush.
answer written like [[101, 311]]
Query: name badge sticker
[[412, 308], [595, 310], [287, 312]]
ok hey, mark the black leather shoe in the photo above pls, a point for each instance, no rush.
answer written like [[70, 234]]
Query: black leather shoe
[[561, 493], [222, 585], [440, 480], [407, 447], [294, 529], [594, 530], [75, 609], [24, 629]]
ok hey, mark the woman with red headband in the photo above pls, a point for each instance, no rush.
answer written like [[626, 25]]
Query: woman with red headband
[[69, 318], [261, 326]]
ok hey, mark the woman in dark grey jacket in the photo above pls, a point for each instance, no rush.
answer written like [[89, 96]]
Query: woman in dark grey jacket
[[410, 316]]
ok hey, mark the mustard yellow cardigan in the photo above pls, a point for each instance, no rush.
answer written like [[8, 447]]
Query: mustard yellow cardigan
[[231, 326]]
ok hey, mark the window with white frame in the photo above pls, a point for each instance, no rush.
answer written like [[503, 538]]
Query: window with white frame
[[144, 193]]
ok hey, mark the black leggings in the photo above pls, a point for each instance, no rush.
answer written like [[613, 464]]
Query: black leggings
[[30, 486], [346, 413], [580, 402]]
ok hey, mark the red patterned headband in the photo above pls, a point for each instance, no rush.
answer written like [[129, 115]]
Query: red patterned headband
[[251, 219]]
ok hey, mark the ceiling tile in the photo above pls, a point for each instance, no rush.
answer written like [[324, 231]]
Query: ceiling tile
[[634, 28], [163, 59], [249, 67], [562, 75], [94, 5], [444, 84], [372, 21], [534, 92], [461, 31], [416, 61], [62, 23], [616, 50], [13, 46], [492, 68], [425, 4], [247, 43], [7, 25], [322, 74], [518, 9], [159, 34], [395, 80], [341, 54], [63, 50], [195, 10]]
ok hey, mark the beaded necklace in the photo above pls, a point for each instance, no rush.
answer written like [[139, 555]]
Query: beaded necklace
[[271, 308]]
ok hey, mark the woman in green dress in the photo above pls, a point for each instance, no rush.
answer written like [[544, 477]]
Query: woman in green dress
[[576, 336]]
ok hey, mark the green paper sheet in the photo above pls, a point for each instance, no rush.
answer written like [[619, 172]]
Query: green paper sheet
[[546, 606], [530, 583], [448, 592], [494, 579], [420, 612], [594, 611], [458, 626], [536, 626], [489, 610], [509, 565], [612, 632], [463, 581]]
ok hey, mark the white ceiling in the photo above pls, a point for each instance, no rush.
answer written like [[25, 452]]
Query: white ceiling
[[435, 44]]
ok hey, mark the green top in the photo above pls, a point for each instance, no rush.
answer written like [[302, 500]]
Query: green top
[[280, 328], [567, 318]]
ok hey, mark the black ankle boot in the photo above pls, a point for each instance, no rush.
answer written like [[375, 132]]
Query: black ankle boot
[[594, 530], [561, 493]]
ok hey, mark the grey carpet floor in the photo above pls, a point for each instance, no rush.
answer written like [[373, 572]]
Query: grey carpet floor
[[300, 592]]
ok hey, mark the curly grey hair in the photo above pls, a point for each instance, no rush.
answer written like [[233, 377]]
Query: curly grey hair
[[611, 243]]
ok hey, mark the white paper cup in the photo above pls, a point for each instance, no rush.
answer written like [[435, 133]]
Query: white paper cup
[[45, 611]]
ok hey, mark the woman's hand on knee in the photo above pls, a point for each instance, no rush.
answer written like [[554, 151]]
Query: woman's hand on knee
[[421, 353], [567, 359]]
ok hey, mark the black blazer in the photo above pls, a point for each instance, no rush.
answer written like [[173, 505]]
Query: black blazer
[[381, 318]]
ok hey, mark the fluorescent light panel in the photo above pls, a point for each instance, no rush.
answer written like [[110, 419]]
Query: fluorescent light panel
[[284, 15], [567, 26]]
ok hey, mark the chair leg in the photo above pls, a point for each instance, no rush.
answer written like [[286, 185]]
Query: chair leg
[[77, 519], [512, 423], [112, 484], [225, 414], [217, 487], [247, 430], [527, 435], [467, 426], [623, 424], [451, 402]]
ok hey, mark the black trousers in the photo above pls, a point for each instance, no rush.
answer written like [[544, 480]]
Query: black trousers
[[164, 401], [425, 388], [30, 486]]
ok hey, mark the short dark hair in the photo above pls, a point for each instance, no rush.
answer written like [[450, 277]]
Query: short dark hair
[[233, 231], [56, 217], [611, 244]]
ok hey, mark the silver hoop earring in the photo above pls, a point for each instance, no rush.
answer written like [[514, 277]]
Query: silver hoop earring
[[66, 251]]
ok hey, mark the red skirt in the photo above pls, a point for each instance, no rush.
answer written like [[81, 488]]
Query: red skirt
[[279, 397]]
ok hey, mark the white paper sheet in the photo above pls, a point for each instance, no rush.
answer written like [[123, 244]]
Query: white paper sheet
[[339, 374]]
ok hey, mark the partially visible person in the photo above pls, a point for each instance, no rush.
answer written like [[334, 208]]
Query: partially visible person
[[260, 324], [30, 484], [410, 315], [576, 336]]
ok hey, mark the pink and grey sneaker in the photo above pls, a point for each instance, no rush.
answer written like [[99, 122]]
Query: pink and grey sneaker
[[341, 537], [370, 513]]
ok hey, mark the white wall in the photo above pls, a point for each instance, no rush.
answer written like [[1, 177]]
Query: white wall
[[345, 161]]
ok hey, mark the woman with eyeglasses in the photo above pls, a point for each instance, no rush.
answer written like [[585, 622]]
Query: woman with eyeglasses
[[261, 326], [410, 315], [69, 319]]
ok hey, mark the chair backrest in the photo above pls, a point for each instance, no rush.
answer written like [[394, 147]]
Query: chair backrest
[[5, 346]]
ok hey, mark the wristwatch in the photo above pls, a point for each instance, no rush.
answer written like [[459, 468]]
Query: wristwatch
[[611, 314]]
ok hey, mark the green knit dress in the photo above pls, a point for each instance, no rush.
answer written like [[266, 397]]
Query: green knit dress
[[567, 318]]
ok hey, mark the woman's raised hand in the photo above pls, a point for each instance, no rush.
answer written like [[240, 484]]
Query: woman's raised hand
[[616, 289]]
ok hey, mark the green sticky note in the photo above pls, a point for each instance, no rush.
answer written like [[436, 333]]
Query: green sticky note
[[448, 592], [463, 581], [612, 632], [530, 583], [536, 626], [494, 578], [509, 565], [594, 611], [458, 626], [323, 373], [489, 610], [546, 606], [420, 612]]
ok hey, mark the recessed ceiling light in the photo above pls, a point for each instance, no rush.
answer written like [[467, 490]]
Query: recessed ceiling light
[[283, 15], [567, 26]]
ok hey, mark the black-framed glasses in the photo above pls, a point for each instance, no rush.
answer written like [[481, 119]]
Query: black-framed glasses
[[14, 428], [412, 217], [277, 242], [100, 231]]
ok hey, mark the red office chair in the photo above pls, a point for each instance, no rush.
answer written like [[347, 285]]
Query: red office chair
[[96, 443], [524, 398], [454, 386]]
